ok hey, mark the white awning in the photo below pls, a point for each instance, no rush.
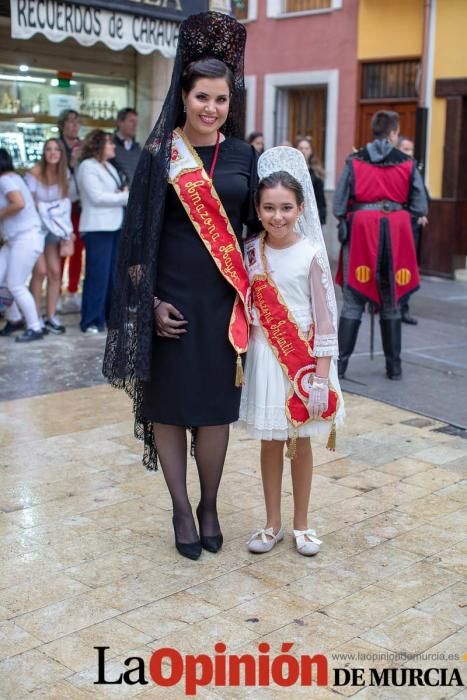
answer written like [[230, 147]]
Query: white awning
[[58, 20]]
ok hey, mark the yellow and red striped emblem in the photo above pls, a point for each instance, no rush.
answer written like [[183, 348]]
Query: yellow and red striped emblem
[[403, 276], [363, 274]]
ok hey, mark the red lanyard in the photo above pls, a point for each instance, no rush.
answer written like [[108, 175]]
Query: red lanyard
[[216, 152]]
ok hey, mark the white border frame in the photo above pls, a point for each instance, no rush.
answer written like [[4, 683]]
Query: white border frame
[[252, 11], [430, 87], [330, 78], [250, 120]]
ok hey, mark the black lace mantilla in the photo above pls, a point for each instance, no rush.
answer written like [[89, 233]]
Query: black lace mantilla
[[127, 359]]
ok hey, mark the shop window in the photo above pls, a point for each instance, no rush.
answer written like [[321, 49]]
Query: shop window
[[307, 5], [240, 9], [394, 79], [307, 117], [31, 101]]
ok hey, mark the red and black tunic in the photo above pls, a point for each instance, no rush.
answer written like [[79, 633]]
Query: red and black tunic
[[381, 242]]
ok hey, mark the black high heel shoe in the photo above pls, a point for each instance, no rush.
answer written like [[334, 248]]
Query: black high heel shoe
[[191, 550], [212, 543]]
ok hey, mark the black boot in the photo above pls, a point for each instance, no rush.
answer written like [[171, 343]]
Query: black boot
[[347, 336], [391, 338]]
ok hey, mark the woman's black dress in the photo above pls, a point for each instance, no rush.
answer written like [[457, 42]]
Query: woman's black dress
[[193, 378]]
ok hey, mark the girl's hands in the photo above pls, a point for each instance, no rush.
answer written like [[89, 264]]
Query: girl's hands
[[166, 326], [319, 396]]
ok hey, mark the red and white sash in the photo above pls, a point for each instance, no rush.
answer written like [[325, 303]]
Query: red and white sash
[[293, 350], [201, 202]]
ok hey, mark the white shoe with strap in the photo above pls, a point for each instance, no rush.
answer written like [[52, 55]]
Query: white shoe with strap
[[264, 540], [307, 542]]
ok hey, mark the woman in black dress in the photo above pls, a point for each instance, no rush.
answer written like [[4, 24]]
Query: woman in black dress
[[317, 177], [183, 376]]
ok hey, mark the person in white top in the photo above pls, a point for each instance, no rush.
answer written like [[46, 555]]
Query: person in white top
[[292, 259], [20, 230], [103, 199], [50, 184]]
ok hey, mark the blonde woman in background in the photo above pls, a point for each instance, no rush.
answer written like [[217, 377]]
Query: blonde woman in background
[[49, 183]]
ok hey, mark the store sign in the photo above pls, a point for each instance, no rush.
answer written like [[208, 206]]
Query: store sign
[[164, 9], [58, 103], [88, 24]]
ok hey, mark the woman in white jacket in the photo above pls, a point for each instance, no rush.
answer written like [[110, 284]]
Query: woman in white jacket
[[103, 200]]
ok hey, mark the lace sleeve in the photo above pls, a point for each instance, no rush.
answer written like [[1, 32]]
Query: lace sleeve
[[324, 309]]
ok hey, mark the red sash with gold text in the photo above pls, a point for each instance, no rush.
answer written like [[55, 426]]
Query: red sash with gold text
[[201, 202], [293, 350]]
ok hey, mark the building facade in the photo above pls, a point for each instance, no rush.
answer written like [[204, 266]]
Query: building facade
[[301, 74], [412, 58], [322, 68], [301, 78]]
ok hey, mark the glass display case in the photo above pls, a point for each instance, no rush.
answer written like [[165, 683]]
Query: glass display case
[[31, 100]]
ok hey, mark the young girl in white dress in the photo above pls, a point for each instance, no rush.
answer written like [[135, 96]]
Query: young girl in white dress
[[293, 256]]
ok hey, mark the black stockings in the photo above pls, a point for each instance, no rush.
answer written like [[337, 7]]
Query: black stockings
[[210, 450]]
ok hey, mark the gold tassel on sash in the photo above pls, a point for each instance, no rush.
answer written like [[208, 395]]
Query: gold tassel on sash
[[292, 446], [239, 372], [331, 443]]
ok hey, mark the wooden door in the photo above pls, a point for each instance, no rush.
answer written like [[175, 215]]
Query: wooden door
[[407, 112], [307, 117]]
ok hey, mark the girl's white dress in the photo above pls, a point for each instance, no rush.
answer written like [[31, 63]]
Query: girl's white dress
[[309, 295]]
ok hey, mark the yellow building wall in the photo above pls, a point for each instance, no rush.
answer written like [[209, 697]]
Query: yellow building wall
[[390, 28], [450, 61]]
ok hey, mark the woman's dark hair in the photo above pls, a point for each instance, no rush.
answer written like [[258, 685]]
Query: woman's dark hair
[[6, 162], [94, 144], [281, 177], [254, 135], [206, 68]]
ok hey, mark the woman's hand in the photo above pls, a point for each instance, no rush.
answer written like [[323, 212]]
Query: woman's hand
[[318, 397], [167, 327]]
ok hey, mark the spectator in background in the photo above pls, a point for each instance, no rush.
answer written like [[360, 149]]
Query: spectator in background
[[317, 175], [103, 198], [407, 146], [127, 149], [51, 187], [256, 139], [69, 125], [20, 229]]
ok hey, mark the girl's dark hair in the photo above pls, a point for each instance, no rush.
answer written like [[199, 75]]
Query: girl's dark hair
[[94, 144], [281, 177], [206, 68], [6, 162]]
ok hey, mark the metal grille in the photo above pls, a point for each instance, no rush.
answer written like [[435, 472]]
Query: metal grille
[[304, 5], [397, 79]]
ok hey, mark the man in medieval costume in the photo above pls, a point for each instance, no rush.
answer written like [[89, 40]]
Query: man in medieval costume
[[380, 189]]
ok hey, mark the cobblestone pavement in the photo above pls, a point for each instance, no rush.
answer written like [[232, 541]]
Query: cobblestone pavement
[[87, 555]]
